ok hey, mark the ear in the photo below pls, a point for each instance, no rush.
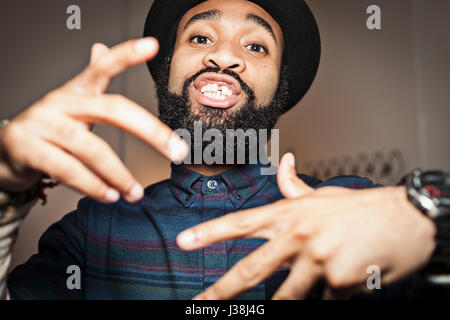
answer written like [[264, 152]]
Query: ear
[[97, 50], [288, 182]]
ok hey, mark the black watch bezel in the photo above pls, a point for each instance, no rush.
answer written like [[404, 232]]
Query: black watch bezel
[[428, 190]]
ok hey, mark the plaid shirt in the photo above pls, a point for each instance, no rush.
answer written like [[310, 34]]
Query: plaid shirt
[[129, 251]]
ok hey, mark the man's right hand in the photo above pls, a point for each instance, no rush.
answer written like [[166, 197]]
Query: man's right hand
[[53, 136]]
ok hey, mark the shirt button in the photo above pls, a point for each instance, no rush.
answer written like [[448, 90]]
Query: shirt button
[[212, 184]]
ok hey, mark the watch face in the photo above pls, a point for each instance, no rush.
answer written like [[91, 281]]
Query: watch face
[[432, 191], [435, 185]]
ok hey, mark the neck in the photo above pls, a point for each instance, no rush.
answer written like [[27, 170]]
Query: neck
[[207, 170]]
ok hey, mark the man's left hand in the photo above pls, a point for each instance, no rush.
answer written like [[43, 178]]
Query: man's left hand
[[331, 233]]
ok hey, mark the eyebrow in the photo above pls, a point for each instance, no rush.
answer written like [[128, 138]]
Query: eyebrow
[[215, 14], [207, 15], [263, 23]]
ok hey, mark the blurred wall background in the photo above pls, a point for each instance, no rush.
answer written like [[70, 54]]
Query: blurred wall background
[[380, 96]]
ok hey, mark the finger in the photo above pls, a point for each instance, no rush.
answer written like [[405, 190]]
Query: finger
[[96, 77], [304, 274], [97, 50], [247, 223], [251, 270], [343, 294], [288, 182], [125, 114], [70, 171], [95, 153]]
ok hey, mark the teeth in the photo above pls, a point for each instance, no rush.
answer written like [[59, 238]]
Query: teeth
[[215, 92], [225, 91]]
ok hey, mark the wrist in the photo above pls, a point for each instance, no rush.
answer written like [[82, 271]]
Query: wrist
[[401, 195], [14, 178]]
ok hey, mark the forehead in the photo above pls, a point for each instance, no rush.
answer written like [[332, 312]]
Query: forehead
[[234, 10]]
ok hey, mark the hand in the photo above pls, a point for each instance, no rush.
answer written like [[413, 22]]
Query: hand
[[53, 136], [331, 233]]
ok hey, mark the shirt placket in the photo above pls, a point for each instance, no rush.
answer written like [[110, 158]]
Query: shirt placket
[[215, 259]]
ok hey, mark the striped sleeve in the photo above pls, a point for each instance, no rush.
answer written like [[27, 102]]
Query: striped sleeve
[[10, 217], [7, 235]]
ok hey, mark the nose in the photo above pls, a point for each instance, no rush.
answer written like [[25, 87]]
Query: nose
[[225, 57]]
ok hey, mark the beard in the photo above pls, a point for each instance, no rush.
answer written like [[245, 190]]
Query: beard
[[178, 111]]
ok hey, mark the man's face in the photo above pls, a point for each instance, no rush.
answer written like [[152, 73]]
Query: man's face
[[224, 70], [235, 35]]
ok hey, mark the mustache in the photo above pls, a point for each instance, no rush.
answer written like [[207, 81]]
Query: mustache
[[248, 91]]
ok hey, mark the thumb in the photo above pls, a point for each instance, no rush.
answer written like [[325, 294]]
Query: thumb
[[97, 50], [288, 182]]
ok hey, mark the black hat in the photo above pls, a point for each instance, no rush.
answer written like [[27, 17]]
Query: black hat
[[301, 34]]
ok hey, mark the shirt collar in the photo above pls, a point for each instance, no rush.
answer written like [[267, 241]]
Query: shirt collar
[[242, 183]]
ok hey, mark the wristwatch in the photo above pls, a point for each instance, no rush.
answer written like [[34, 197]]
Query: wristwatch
[[429, 191]]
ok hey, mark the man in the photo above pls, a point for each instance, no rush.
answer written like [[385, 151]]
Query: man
[[266, 57]]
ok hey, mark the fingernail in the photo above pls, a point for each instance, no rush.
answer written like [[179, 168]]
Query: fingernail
[[136, 193], [290, 159], [112, 195], [178, 149], [145, 46], [187, 237]]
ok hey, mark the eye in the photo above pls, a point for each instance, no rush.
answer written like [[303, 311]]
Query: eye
[[256, 48], [201, 40]]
